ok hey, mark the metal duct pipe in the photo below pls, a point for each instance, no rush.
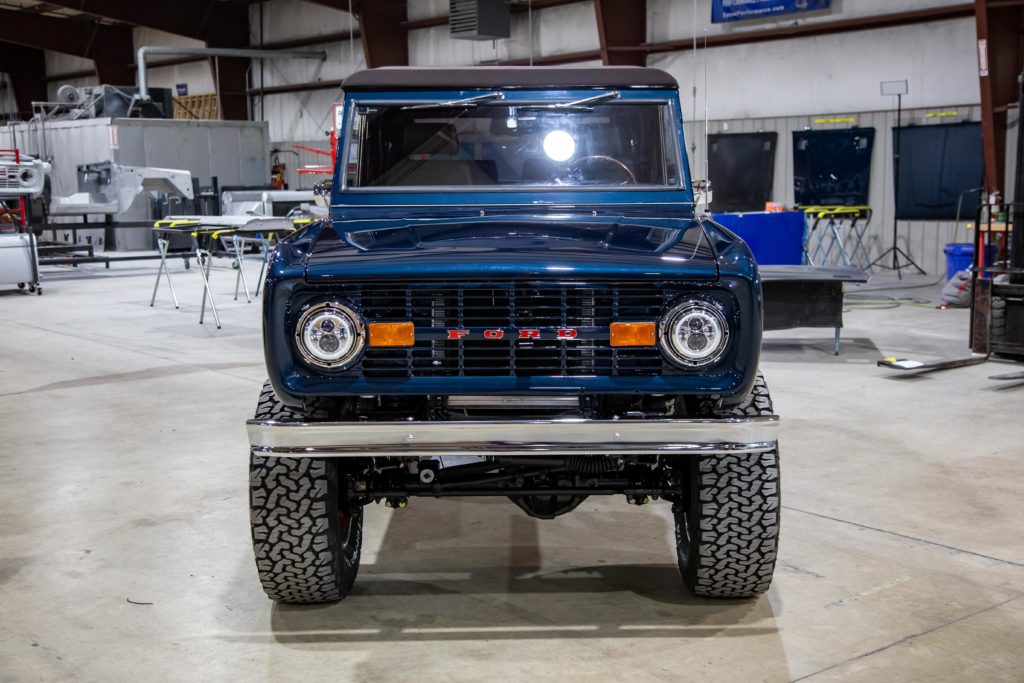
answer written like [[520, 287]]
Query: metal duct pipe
[[147, 50]]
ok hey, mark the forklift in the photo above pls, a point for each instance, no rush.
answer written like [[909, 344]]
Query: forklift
[[997, 303], [997, 288]]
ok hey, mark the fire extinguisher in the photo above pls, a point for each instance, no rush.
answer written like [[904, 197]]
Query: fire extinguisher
[[277, 169]]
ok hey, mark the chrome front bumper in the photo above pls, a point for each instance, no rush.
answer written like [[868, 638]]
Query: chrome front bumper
[[513, 437]]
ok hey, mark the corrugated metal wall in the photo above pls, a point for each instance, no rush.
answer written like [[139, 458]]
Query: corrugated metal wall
[[923, 240]]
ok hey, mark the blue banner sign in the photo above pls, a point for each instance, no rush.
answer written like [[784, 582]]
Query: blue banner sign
[[737, 10]]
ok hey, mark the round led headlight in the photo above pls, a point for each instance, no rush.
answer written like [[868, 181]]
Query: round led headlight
[[329, 335], [694, 334]]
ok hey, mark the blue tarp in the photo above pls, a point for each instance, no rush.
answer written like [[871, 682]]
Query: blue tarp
[[777, 239], [737, 10]]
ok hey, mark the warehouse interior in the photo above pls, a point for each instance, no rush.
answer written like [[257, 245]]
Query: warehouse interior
[[155, 160]]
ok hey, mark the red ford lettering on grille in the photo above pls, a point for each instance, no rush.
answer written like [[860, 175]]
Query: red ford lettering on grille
[[524, 333]]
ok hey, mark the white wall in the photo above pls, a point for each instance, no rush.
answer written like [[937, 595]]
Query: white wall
[[840, 72], [811, 75], [302, 116], [673, 19], [556, 31], [288, 19], [198, 76], [60, 63]]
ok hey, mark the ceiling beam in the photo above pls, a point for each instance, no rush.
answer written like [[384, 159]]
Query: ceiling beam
[[1000, 25], [340, 5], [309, 41], [26, 69], [109, 46], [549, 60], [220, 24], [296, 87], [621, 23]]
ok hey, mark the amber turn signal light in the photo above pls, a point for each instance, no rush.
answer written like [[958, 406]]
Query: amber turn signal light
[[632, 334], [392, 334]]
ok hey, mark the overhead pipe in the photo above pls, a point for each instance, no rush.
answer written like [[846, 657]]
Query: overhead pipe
[[147, 50]]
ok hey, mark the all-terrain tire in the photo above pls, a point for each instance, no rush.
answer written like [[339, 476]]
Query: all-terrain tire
[[727, 531], [306, 544]]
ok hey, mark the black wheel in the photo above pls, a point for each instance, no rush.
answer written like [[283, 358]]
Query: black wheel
[[21, 285], [305, 540], [1000, 330], [998, 319], [727, 530]]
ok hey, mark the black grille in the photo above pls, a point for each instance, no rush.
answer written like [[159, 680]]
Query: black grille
[[435, 310]]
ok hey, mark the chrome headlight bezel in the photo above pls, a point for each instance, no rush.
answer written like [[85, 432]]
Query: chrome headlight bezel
[[345, 313], [666, 332]]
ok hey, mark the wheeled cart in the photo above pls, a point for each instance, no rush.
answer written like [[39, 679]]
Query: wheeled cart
[[19, 262]]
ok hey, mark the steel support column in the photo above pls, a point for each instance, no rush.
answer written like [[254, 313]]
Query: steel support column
[[1000, 26], [621, 24], [233, 86], [385, 39]]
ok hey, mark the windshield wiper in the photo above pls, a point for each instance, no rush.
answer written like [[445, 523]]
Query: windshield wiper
[[467, 103], [584, 104]]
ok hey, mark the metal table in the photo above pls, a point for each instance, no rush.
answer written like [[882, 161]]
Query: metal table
[[806, 296]]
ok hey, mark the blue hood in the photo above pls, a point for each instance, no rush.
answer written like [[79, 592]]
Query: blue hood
[[563, 246]]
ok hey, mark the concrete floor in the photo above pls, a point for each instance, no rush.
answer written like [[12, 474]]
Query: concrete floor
[[125, 554]]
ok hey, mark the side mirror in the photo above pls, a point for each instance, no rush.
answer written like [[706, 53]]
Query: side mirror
[[322, 194]]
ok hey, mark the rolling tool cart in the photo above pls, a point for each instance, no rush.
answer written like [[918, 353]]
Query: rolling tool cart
[[20, 177], [19, 263]]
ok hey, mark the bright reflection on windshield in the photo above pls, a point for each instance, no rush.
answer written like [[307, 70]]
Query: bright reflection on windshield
[[559, 145], [499, 145]]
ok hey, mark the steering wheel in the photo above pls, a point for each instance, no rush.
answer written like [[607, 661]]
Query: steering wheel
[[630, 178]]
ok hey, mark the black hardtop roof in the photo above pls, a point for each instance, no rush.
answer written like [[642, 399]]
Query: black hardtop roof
[[501, 77]]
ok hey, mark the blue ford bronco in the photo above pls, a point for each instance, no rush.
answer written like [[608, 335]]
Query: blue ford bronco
[[514, 295]]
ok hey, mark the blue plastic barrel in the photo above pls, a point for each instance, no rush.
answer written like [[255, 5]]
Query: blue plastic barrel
[[960, 256]]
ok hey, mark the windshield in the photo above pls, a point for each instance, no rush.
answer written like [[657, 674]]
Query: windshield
[[497, 144]]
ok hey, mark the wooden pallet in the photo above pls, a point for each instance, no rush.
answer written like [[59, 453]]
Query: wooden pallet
[[197, 107]]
